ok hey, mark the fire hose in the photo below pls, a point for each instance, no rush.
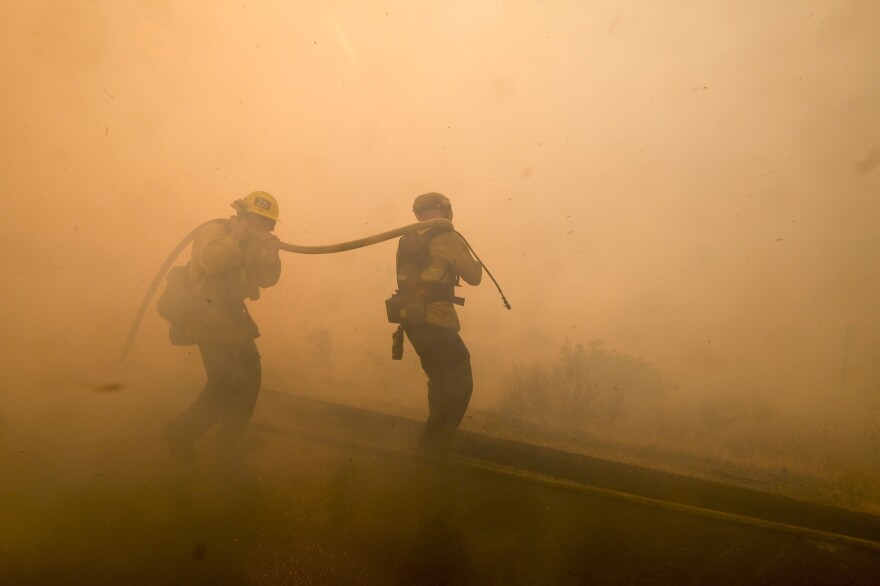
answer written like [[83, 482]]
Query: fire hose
[[295, 248]]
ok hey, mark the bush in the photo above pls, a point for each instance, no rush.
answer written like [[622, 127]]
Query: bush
[[580, 385], [319, 342]]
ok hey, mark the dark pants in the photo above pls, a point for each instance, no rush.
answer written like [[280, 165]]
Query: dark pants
[[228, 398], [447, 362]]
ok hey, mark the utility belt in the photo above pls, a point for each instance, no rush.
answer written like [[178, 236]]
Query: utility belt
[[410, 306], [223, 320]]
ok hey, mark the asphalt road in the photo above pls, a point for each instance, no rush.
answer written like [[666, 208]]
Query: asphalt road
[[335, 496]]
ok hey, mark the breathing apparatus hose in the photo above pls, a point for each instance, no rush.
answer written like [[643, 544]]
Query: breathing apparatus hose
[[295, 248]]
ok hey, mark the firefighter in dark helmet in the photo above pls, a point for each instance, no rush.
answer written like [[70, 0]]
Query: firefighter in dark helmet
[[429, 265]]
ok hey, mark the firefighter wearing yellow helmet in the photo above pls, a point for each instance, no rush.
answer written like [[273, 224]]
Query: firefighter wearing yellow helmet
[[260, 203], [231, 261]]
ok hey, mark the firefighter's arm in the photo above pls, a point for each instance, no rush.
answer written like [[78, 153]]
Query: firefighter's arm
[[460, 258], [216, 250], [469, 269], [268, 265]]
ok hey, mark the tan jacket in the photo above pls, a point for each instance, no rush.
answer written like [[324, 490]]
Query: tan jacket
[[225, 273], [449, 256]]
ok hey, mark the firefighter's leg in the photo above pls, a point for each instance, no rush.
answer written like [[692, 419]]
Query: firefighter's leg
[[206, 410], [243, 390], [448, 399], [446, 361]]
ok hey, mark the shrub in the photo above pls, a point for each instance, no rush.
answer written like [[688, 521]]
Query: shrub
[[579, 385], [319, 342]]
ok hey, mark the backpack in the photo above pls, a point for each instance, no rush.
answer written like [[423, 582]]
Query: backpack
[[176, 303], [408, 305]]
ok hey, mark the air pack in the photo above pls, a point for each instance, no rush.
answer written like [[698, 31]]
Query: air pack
[[408, 305]]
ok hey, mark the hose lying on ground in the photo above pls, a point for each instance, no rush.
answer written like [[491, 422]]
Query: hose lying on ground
[[296, 248]]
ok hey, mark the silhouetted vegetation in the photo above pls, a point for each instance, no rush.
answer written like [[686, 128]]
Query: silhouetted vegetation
[[582, 384], [596, 398]]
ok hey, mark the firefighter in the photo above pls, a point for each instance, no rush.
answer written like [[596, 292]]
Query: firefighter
[[231, 261], [429, 264]]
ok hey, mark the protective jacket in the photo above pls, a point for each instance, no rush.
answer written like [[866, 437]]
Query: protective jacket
[[224, 273], [447, 258]]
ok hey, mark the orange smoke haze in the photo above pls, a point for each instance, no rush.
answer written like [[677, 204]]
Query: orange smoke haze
[[696, 184]]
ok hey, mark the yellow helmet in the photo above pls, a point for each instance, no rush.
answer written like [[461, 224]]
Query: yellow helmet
[[261, 203]]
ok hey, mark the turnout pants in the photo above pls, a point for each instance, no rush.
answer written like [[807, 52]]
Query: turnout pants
[[447, 362], [228, 398]]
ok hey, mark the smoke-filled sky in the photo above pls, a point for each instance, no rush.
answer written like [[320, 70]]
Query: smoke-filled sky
[[695, 183]]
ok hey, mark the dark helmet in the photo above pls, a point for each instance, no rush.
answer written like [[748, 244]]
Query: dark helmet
[[433, 200]]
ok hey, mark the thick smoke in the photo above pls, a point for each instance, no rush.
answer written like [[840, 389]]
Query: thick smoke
[[695, 185]]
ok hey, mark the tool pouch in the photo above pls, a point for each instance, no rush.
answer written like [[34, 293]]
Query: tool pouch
[[176, 303], [397, 344], [405, 309]]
